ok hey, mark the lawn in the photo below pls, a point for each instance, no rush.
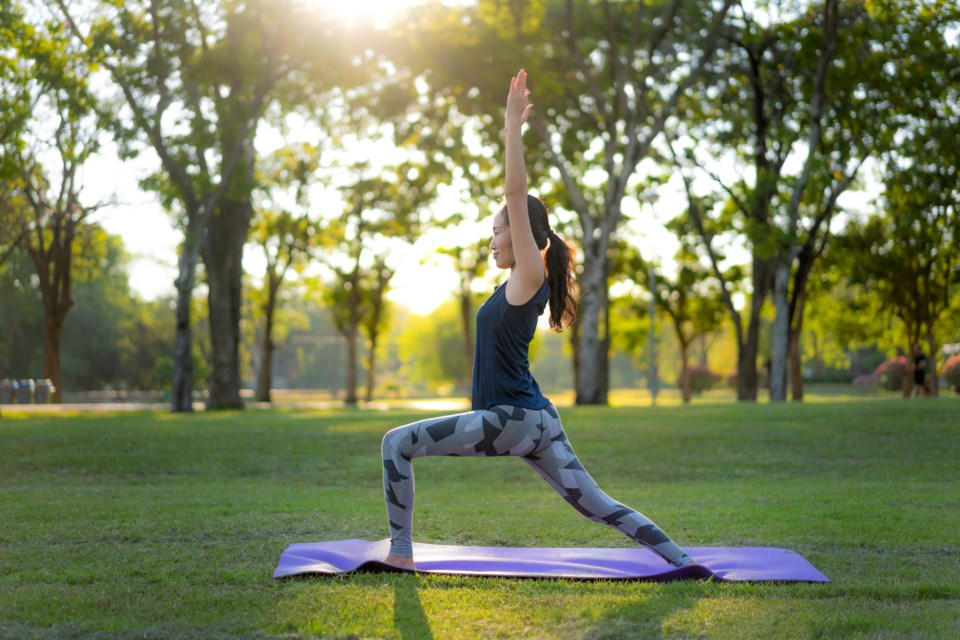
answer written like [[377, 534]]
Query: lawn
[[152, 525]]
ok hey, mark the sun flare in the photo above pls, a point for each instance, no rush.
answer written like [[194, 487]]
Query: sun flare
[[350, 10]]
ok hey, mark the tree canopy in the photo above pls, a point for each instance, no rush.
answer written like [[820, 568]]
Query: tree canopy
[[335, 145]]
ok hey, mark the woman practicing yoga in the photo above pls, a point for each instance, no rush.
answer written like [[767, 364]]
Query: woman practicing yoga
[[510, 416]]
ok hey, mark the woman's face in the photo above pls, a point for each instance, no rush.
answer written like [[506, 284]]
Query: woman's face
[[501, 245]]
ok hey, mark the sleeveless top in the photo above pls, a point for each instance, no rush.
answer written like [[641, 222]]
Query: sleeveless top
[[501, 368]]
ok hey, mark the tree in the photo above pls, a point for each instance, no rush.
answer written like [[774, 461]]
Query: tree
[[908, 255], [109, 337], [21, 315], [194, 82], [903, 259], [94, 339], [379, 211], [757, 110], [689, 298], [789, 245], [286, 238], [694, 306], [17, 98], [43, 201], [603, 90], [862, 121]]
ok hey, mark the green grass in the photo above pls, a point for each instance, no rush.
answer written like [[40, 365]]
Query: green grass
[[151, 525]]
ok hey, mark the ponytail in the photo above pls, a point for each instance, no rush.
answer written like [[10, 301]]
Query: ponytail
[[559, 262]]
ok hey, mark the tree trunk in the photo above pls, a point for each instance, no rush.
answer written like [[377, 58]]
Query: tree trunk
[[351, 331], [747, 379], [685, 387], [52, 332], [798, 305], [466, 317], [350, 398], [182, 400], [265, 377], [702, 339], [371, 368], [908, 370], [795, 354], [933, 384], [223, 258], [781, 330], [591, 347], [747, 374], [574, 340], [914, 330]]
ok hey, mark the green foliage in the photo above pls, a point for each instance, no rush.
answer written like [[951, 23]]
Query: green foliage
[[907, 256], [21, 318], [435, 80], [287, 237], [689, 300], [431, 350], [110, 337], [840, 316], [93, 343], [605, 79]]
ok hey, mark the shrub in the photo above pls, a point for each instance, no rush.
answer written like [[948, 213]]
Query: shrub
[[866, 383], [763, 378], [701, 379], [951, 372], [890, 373], [831, 376], [731, 378]]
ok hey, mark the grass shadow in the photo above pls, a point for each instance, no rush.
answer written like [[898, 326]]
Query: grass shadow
[[409, 618]]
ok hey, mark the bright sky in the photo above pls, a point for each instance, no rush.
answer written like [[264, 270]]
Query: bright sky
[[364, 9]]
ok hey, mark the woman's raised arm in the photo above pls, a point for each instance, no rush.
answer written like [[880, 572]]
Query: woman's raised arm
[[528, 274]]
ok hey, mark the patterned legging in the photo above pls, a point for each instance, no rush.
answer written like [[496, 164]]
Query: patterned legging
[[535, 435]]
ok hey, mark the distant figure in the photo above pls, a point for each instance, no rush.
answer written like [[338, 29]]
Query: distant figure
[[919, 371]]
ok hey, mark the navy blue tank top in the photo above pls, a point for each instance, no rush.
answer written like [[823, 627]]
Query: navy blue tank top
[[501, 366]]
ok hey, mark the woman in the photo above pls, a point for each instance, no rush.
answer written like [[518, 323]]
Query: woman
[[510, 415]]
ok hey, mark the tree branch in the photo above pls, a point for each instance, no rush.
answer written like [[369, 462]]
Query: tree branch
[[573, 190], [698, 221], [152, 129]]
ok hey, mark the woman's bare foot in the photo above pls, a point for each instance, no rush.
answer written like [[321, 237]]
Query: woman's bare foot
[[401, 562]]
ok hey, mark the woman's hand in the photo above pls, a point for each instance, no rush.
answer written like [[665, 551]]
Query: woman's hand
[[518, 109]]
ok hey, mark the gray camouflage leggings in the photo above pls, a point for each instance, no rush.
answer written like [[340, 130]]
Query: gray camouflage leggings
[[537, 437]]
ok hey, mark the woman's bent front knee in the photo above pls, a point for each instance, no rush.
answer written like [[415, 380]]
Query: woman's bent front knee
[[395, 443], [388, 446]]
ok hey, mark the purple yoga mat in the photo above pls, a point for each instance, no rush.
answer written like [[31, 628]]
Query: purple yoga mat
[[763, 564]]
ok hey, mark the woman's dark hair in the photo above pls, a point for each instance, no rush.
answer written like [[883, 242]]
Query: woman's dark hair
[[559, 262]]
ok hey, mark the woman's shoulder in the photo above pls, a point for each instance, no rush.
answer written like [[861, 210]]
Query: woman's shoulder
[[536, 301]]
